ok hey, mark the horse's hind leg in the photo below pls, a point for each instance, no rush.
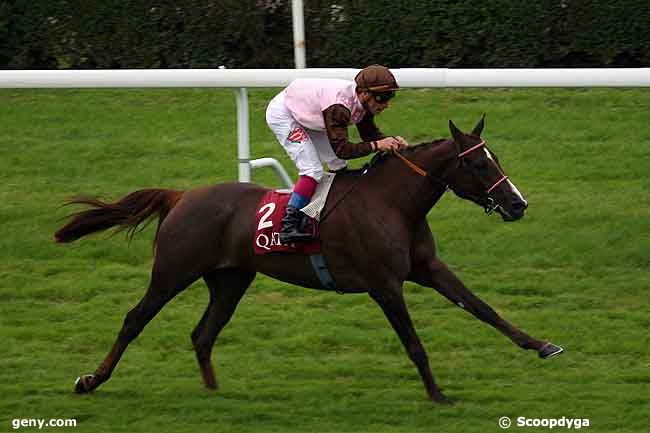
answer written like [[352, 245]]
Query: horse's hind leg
[[227, 287], [162, 289], [437, 275]]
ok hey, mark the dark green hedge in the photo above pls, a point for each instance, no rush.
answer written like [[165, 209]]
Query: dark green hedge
[[340, 33]]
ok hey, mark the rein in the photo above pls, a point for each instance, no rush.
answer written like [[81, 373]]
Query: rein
[[413, 166]]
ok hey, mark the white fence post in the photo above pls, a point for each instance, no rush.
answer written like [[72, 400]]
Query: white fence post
[[297, 17], [246, 164], [243, 136]]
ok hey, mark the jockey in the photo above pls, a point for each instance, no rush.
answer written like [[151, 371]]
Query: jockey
[[310, 119]]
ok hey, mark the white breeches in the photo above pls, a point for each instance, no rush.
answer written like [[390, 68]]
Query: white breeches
[[306, 147]]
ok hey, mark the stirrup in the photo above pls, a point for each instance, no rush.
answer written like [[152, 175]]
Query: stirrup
[[295, 236]]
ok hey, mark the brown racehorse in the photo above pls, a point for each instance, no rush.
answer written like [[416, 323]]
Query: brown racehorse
[[374, 237]]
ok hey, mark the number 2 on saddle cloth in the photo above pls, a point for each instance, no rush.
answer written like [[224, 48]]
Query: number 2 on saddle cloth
[[268, 221]]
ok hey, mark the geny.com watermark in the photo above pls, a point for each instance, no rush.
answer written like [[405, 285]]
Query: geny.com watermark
[[40, 423], [564, 422]]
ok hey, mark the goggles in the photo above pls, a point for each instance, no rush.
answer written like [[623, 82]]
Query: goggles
[[383, 97]]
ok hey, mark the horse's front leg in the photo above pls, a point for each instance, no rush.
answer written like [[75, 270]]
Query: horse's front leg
[[392, 303], [434, 273]]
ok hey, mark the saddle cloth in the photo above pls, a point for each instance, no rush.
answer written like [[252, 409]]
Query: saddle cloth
[[268, 220]]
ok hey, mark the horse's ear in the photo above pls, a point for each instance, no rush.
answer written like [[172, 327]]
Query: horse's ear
[[479, 126], [455, 132]]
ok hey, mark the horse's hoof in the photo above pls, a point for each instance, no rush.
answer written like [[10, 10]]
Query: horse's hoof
[[82, 384], [212, 386], [442, 399], [549, 349]]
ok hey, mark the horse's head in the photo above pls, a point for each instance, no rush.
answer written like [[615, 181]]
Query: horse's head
[[480, 178]]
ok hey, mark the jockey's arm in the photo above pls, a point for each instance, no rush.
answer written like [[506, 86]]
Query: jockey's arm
[[368, 130], [337, 119]]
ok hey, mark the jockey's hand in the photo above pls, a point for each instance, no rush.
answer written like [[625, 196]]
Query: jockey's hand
[[403, 143], [390, 143]]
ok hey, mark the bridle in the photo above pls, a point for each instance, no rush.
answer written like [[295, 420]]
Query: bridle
[[490, 205]]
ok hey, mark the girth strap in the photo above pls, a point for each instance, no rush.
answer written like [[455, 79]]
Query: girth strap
[[324, 276]]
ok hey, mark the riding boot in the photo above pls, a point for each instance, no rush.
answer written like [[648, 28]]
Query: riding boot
[[292, 226]]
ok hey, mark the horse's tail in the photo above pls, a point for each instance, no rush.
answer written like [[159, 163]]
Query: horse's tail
[[127, 213]]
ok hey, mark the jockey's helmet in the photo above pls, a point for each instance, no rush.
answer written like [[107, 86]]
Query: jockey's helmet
[[376, 79]]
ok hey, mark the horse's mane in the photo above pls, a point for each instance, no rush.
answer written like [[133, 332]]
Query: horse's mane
[[381, 157]]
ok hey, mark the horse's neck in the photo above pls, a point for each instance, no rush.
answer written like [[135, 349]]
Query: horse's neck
[[404, 189]]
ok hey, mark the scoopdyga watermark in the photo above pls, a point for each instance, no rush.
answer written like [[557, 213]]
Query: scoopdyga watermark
[[550, 423]]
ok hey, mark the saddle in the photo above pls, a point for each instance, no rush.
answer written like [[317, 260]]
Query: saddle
[[268, 220]]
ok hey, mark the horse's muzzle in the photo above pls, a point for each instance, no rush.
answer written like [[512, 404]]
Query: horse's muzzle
[[515, 213]]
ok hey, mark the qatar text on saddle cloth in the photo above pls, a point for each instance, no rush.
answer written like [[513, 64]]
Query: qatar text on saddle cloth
[[268, 220]]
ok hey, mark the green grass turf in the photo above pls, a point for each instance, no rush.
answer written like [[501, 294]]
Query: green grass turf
[[574, 271]]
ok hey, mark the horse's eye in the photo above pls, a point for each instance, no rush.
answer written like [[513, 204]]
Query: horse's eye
[[481, 165]]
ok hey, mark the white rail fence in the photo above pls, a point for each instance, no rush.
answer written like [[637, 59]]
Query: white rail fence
[[245, 78]]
